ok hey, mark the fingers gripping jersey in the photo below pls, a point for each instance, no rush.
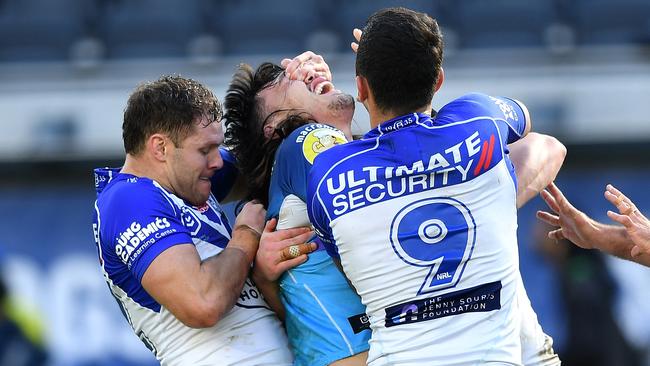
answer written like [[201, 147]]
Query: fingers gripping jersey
[[317, 297], [135, 220], [423, 215]]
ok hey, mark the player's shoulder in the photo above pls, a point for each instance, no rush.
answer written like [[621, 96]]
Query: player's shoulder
[[310, 140], [468, 105], [476, 105], [119, 191]]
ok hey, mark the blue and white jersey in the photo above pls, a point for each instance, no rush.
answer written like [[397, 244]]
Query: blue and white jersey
[[135, 220], [422, 213]]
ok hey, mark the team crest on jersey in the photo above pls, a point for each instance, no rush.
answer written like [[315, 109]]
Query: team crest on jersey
[[320, 140]]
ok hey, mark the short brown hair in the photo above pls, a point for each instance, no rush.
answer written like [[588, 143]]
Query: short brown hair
[[169, 105]]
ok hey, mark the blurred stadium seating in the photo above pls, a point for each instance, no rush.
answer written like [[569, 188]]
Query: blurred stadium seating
[[67, 67]]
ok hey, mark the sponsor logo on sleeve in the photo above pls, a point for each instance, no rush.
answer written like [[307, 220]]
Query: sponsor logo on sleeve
[[319, 139], [508, 111], [132, 241]]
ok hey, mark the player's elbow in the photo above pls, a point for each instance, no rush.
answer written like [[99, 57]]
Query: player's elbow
[[203, 314], [556, 150]]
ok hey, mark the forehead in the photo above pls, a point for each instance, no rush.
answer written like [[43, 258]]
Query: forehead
[[278, 94], [204, 133]]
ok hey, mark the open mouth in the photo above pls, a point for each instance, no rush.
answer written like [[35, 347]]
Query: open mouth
[[320, 85]]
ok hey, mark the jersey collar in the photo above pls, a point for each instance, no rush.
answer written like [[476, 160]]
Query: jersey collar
[[397, 123]]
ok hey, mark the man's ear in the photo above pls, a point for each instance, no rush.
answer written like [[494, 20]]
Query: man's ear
[[362, 89], [158, 146], [269, 131], [441, 78]]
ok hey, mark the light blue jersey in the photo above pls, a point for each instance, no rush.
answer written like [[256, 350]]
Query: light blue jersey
[[321, 308]]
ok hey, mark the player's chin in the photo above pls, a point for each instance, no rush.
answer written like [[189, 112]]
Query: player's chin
[[200, 198], [204, 188]]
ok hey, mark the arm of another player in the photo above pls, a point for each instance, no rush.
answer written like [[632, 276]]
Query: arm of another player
[[585, 232], [199, 293], [306, 66], [637, 226], [276, 255], [537, 159]]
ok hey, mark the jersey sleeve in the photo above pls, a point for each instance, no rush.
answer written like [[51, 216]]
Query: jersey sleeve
[[511, 116], [293, 161], [139, 223], [224, 178]]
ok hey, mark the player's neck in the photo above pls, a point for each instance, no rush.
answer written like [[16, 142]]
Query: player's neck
[[378, 116], [346, 128], [141, 166]]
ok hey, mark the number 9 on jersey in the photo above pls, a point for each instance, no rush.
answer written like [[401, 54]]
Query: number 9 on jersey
[[438, 233]]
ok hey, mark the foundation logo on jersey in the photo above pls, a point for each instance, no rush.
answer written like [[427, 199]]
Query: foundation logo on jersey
[[319, 140], [481, 298], [132, 241], [438, 233]]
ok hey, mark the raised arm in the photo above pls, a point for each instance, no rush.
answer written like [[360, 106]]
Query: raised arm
[[637, 226], [537, 159], [585, 232]]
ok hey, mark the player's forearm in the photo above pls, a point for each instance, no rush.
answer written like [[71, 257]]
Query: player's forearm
[[616, 241], [537, 159], [613, 240], [271, 292], [224, 275]]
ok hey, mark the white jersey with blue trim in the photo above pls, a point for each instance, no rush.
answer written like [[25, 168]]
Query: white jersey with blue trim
[[135, 220], [422, 213]]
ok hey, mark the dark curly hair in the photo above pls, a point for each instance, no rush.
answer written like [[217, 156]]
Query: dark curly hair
[[169, 105], [245, 117]]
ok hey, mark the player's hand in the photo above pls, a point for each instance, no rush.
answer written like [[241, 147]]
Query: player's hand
[[248, 229], [281, 250], [252, 215], [306, 67], [636, 225], [356, 32], [572, 224]]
